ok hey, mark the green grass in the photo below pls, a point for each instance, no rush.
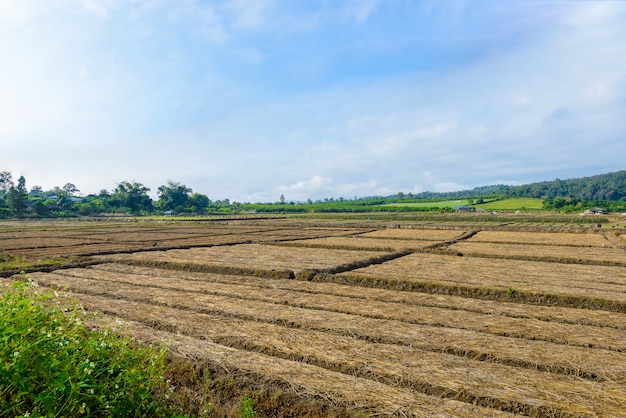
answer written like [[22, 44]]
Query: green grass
[[14, 263], [516, 203], [521, 203], [436, 204], [53, 366]]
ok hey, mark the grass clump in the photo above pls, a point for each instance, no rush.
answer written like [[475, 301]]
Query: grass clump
[[17, 263], [246, 408], [53, 366]]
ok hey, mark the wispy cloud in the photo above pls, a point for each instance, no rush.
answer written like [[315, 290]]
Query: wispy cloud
[[249, 100]]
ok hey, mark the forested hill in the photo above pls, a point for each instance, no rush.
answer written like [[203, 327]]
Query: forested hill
[[610, 186], [607, 187]]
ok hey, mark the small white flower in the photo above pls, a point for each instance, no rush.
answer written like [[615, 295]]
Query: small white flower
[[16, 354]]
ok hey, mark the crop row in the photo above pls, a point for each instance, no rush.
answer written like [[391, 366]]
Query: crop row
[[475, 366]]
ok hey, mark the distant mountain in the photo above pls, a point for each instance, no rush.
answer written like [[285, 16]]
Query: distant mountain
[[609, 187]]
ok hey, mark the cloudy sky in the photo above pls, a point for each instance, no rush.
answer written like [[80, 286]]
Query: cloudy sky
[[251, 99]]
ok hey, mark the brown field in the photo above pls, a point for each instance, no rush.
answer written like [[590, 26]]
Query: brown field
[[544, 252], [415, 234], [539, 238], [358, 243], [252, 257], [485, 276], [375, 323]]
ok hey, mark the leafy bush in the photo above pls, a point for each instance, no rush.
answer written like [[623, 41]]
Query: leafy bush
[[52, 365]]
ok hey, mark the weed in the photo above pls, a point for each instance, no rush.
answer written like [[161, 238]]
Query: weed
[[54, 366], [246, 408]]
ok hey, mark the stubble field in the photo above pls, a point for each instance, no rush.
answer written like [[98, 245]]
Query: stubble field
[[369, 319]]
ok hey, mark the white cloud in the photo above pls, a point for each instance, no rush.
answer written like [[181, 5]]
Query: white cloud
[[156, 90], [249, 14], [99, 8], [360, 10]]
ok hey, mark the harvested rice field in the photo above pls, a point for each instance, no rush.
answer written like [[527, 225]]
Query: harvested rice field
[[591, 255], [538, 238], [356, 320]]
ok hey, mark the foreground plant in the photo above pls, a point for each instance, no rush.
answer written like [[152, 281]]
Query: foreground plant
[[51, 365]]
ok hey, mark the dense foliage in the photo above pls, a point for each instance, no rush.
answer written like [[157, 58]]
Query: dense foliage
[[54, 367], [607, 191]]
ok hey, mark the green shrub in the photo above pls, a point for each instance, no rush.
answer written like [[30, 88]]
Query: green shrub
[[246, 408], [53, 366]]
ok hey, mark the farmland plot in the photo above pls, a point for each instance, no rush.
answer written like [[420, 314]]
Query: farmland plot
[[106, 239], [541, 238], [482, 276], [380, 326], [560, 253], [478, 366], [252, 257], [415, 234], [358, 243]]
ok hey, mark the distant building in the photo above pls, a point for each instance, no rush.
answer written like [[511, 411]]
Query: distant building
[[464, 209], [597, 211]]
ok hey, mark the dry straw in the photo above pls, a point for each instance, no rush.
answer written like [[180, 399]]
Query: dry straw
[[598, 287], [490, 385], [563, 254], [414, 234], [570, 360], [497, 324], [358, 244], [458, 304], [255, 256], [539, 238]]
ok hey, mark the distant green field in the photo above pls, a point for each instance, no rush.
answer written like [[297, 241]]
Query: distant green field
[[439, 204], [517, 203]]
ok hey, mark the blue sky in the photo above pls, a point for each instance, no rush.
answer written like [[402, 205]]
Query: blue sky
[[248, 100]]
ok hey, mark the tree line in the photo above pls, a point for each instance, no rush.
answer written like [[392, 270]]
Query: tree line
[[605, 190], [601, 187], [126, 198]]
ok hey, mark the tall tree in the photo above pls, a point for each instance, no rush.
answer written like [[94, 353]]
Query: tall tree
[[174, 196], [36, 191], [70, 189], [17, 198], [6, 180], [199, 202], [133, 196]]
